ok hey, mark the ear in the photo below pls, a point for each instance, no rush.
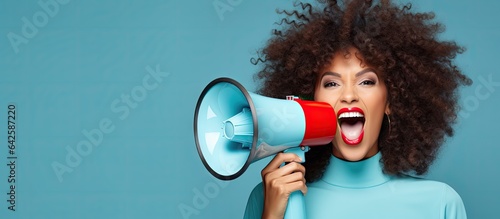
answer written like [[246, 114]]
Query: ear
[[387, 109]]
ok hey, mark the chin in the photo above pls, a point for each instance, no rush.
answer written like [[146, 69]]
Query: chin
[[353, 156], [353, 152]]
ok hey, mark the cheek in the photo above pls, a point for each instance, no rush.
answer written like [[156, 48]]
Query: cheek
[[376, 103], [323, 95], [375, 97], [317, 93]]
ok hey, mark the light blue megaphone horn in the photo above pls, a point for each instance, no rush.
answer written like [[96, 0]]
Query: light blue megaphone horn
[[234, 128]]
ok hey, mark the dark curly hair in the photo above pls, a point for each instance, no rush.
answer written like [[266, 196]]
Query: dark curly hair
[[418, 70]]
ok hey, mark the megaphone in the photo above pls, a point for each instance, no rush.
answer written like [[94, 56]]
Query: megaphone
[[234, 128]]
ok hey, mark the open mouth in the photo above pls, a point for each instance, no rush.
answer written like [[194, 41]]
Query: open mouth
[[351, 121]]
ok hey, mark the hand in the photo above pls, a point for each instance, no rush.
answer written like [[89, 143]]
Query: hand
[[280, 182]]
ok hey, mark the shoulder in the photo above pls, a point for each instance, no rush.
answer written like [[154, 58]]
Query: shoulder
[[430, 191], [452, 203], [417, 184], [255, 203], [411, 184]]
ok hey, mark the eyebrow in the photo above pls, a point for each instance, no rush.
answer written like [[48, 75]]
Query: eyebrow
[[364, 71]]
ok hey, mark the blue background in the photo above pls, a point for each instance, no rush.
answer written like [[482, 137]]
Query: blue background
[[89, 54]]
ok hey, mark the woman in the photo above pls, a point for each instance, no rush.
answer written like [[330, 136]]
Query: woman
[[394, 87]]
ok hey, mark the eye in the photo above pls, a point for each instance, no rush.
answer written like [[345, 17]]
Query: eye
[[330, 84], [367, 82]]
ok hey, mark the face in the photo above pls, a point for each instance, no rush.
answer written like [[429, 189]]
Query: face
[[359, 97]]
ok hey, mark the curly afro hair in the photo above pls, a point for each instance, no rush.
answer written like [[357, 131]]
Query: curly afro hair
[[422, 80]]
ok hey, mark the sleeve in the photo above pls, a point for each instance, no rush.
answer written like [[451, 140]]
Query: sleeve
[[255, 204], [453, 205]]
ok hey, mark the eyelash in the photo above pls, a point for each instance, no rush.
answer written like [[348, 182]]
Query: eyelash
[[367, 82], [334, 84], [330, 84]]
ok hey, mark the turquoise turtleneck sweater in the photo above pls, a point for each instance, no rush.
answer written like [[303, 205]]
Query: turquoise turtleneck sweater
[[361, 190]]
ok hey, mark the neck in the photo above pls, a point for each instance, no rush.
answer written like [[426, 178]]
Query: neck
[[359, 174]]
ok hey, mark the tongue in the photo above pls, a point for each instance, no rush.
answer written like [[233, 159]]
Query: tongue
[[352, 130]]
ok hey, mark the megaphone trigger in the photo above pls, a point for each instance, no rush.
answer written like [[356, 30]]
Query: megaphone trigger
[[299, 151]]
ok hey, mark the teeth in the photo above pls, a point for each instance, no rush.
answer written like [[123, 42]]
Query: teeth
[[350, 115]]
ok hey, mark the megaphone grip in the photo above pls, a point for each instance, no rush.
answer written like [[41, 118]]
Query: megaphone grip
[[296, 208]]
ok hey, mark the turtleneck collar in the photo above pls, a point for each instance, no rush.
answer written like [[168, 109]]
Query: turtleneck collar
[[360, 174]]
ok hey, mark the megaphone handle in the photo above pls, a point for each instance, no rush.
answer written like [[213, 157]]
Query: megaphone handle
[[296, 207]]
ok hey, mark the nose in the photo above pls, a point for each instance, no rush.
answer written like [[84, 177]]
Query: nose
[[349, 94]]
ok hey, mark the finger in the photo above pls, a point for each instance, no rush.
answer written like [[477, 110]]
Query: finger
[[292, 167], [285, 170], [285, 185], [275, 181], [294, 177], [281, 158], [299, 185], [276, 162]]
